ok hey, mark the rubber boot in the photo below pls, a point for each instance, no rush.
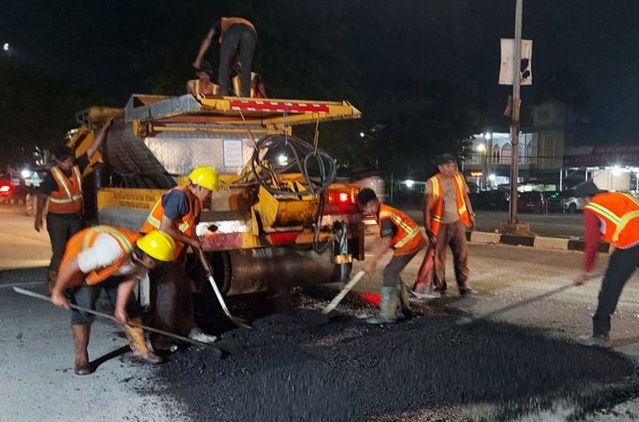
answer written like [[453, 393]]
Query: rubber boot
[[138, 345], [81, 343], [388, 308]]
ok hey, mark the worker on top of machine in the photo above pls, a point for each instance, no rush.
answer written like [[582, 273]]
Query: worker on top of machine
[[203, 85], [236, 36], [400, 234], [177, 213], [113, 259], [614, 218]]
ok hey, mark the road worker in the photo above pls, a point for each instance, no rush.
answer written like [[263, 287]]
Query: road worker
[[112, 259], [401, 235], [63, 187], [236, 36], [177, 213], [614, 218], [203, 85], [447, 214]]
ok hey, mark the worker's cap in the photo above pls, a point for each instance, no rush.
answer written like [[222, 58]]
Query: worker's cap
[[587, 188], [445, 159], [365, 196], [205, 67]]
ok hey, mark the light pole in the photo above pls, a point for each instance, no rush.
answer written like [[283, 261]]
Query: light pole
[[514, 128]]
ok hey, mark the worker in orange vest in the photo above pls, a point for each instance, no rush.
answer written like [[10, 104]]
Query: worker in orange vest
[[203, 85], [401, 235], [447, 214], [63, 187], [112, 259], [234, 35], [614, 218], [177, 213]]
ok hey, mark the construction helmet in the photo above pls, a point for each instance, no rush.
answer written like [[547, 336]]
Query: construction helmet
[[206, 177], [158, 245]]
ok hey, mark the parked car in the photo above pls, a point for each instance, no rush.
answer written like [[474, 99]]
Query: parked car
[[564, 202], [534, 202], [572, 204], [490, 200]]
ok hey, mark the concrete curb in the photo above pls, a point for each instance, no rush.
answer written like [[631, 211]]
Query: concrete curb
[[538, 242]]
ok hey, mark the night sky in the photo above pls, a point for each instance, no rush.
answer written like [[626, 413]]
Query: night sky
[[112, 48]]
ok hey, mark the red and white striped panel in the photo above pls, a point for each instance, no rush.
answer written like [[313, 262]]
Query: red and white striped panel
[[277, 106]]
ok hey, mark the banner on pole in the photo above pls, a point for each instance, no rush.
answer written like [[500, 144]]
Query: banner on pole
[[506, 66]]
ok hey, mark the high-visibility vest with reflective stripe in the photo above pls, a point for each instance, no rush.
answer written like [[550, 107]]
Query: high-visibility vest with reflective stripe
[[436, 200], [85, 239], [226, 23], [185, 224], [67, 199], [200, 90], [408, 236], [620, 214]]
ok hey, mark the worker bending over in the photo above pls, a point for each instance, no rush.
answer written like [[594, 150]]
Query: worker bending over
[[614, 218], [401, 235], [237, 36], [177, 213], [113, 259]]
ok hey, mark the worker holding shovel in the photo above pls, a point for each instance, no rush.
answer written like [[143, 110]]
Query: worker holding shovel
[[614, 218], [400, 234], [112, 259]]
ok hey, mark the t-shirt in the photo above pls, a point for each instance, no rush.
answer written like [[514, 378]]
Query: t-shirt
[[49, 184], [175, 204], [105, 252]]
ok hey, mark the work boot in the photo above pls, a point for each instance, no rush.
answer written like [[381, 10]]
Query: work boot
[[138, 345], [424, 291], [80, 345], [198, 335], [602, 342], [388, 309], [466, 290], [405, 309]]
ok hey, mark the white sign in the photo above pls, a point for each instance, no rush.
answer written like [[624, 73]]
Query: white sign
[[506, 67], [233, 153]]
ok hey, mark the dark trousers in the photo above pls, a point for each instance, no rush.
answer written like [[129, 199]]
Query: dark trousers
[[60, 228], [87, 296], [621, 265], [242, 38], [453, 235], [392, 270], [171, 302]]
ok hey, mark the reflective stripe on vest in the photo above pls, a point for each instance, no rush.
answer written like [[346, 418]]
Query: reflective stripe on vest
[[409, 232], [93, 232], [187, 224], [63, 182], [620, 222]]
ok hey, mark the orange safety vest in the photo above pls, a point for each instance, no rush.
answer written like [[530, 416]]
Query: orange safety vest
[[200, 90], [436, 200], [226, 23], [84, 239], [620, 215], [408, 236], [255, 80], [68, 198], [186, 224]]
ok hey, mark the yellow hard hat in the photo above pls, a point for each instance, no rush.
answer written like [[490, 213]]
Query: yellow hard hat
[[158, 245], [206, 177]]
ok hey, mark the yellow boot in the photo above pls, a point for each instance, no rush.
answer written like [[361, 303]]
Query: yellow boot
[[138, 346]]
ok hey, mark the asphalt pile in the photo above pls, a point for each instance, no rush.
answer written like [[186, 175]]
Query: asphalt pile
[[301, 367]]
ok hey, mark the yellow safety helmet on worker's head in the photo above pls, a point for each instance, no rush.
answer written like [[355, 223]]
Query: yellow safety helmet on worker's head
[[206, 177], [158, 245]]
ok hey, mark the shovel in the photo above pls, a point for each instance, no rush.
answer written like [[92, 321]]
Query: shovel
[[112, 318], [337, 299], [470, 320], [209, 273]]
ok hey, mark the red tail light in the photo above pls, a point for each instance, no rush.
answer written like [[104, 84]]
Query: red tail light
[[343, 197], [5, 188]]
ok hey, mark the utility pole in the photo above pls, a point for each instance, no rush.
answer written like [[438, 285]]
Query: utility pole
[[514, 127]]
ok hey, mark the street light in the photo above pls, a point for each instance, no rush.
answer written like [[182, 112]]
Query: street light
[[5, 46], [481, 148]]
